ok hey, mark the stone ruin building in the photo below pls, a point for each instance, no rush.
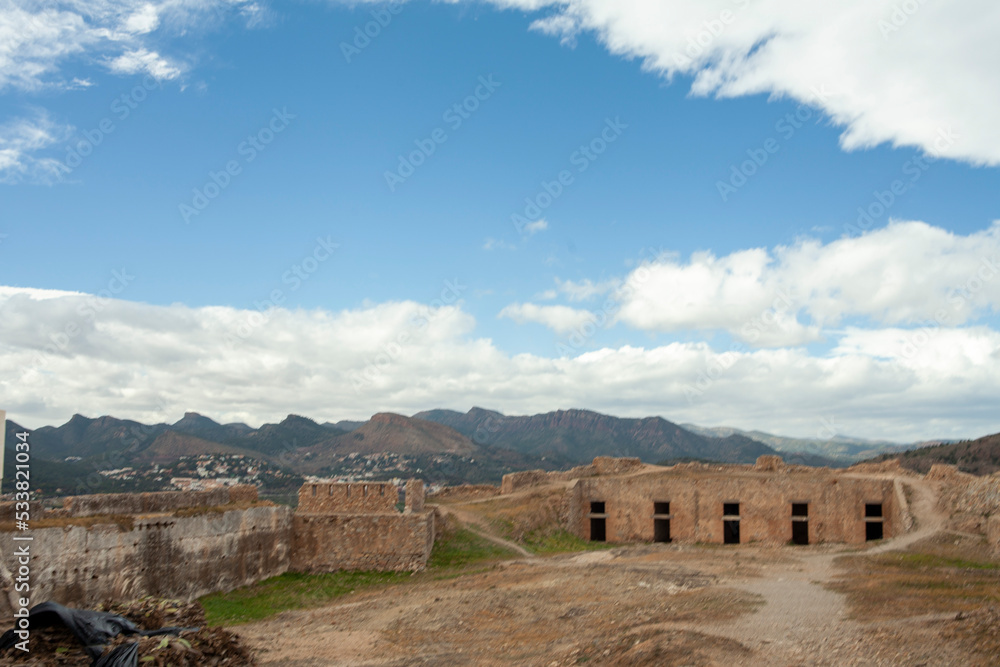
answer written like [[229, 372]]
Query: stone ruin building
[[190, 543], [357, 527], [185, 544], [623, 500]]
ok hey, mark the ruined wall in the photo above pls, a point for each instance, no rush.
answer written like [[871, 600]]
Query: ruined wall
[[357, 527], [969, 500], [836, 505], [610, 465], [327, 543], [519, 480], [602, 465], [8, 507], [357, 497], [157, 501], [415, 495], [165, 556]]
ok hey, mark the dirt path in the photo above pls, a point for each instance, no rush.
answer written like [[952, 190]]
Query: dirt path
[[635, 605], [803, 622], [478, 525]]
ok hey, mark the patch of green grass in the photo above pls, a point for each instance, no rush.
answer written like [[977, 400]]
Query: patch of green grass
[[921, 560], [292, 590], [560, 541], [460, 547]]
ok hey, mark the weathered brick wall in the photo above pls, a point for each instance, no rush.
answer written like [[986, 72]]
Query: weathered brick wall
[[356, 497], [142, 503], [327, 543], [165, 556], [7, 510], [602, 465], [243, 493], [518, 480], [415, 495], [835, 504], [609, 465], [969, 500]]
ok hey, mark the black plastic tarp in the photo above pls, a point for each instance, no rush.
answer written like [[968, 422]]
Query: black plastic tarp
[[93, 629]]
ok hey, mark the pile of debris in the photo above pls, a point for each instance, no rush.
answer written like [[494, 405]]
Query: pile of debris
[[149, 631]]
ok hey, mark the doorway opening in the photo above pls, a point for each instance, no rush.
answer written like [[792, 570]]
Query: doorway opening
[[873, 531], [598, 530], [800, 532], [731, 531], [800, 523], [661, 530]]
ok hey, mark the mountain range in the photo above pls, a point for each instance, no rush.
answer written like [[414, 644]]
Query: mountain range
[[497, 443], [836, 447]]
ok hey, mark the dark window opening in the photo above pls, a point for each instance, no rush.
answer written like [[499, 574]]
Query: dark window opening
[[661, 530], [731, 509], [661, 508], [873, 509], [800, 532], [873, 531], [731, 532], [800, 509], [597, 507], [597, 530]]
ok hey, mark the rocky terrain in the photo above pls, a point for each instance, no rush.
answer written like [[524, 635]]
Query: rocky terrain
[[926, 598], [978, 457]]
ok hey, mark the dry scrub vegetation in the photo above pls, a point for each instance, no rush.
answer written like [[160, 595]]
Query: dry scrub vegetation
[[948, 585], [943, 574]]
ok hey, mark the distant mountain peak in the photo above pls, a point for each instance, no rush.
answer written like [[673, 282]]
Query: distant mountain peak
[[293, 418], [390, 418]]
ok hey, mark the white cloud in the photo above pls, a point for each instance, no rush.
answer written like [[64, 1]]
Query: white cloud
[[533, 228], [561, 319], [144, 19], [495, 244], [37, 39], [20, 138], [883, 70], [141, 60], [66, 353], [585, 289], [907, 273]]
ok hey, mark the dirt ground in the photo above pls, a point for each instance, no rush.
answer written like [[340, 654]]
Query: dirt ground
[[637, 605]]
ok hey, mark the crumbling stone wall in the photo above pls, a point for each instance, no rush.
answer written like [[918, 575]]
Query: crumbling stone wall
[[519, 480], [357, 497], [610, 465], [157, 501], [243, 493], [327, 543], [415, 495], [174, 557], [357, 527], [836, 504], [969, 500], [602, 465], [8, 507]]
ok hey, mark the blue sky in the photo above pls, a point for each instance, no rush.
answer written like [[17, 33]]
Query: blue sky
[[726, 187]]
